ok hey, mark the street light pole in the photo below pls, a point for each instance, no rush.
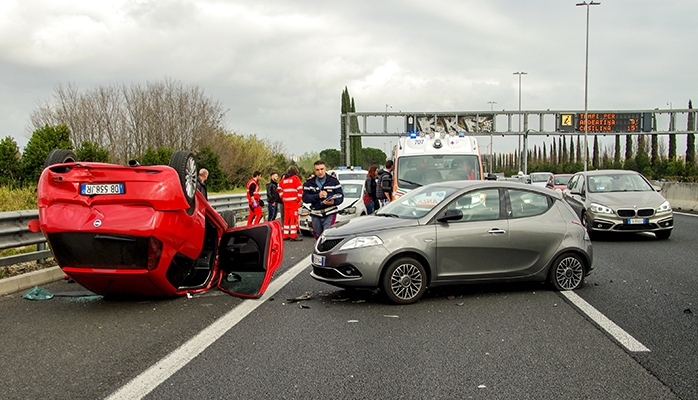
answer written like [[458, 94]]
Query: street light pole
[[586, 87], [518, 159], [491, 103]]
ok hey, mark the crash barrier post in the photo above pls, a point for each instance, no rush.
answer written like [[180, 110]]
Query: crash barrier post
[[15, 233]]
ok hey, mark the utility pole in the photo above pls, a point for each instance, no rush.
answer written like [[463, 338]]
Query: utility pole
[[491, 103], [586, 87], [518, 159]]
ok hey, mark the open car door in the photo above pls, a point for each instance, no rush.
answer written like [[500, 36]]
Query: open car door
[[248, 257]]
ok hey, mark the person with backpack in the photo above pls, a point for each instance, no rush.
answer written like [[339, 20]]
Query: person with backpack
[[384, 190]]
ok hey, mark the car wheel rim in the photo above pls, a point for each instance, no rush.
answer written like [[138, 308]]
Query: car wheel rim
[[191, 177], [406, 281], [569, 273]]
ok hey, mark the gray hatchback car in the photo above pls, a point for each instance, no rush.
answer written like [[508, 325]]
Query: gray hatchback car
[[619, 201], [454, 233]]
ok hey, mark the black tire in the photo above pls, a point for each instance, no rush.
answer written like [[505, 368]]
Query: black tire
[[587, 224], [567, 272], [60, 156], [404, 281], [306, 233], [184, 163], [663, 235], [229, 217]]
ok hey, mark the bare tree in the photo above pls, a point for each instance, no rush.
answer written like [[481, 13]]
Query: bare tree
[[126, 120]]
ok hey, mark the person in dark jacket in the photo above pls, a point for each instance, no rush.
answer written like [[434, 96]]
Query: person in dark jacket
[[324, 194], [273, 198], [201, 182], [384, 189]]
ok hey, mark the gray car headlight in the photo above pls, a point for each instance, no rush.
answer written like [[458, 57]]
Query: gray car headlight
[[597, 208], [361, 241], [663, 208]]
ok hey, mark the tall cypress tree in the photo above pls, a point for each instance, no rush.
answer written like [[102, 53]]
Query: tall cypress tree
[[565, 154], [628, 147], [579, 149], [642, 161], [573, 159], [672, 139], [356, 148], [595, 158], [691, 137], [616, 155], [343, 129]]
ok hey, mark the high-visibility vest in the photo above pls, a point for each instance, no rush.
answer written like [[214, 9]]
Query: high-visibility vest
[[255, 196], [291, 188]]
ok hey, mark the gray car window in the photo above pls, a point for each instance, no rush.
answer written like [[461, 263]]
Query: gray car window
[[527, 204], [479, 205]]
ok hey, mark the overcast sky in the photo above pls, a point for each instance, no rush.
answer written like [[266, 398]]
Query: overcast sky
[[279, 67]]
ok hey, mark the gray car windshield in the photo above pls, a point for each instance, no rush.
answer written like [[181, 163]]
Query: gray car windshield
[[618, 183], [416, 203]]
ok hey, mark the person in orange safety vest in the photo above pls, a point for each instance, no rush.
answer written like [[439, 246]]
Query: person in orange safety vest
[[254, 200], [291, 191]]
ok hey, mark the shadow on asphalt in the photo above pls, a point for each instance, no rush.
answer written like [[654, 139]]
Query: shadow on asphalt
[[439, 293]]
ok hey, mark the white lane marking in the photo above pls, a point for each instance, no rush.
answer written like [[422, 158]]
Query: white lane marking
[[606, 324], [148, 380], [687, 214]]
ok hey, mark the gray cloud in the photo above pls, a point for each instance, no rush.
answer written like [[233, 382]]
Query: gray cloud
[[280, 67]]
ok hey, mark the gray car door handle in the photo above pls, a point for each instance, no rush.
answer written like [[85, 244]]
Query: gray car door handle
[[496, 231]]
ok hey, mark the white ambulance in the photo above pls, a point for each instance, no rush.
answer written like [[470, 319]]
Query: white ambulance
[[421, 159]]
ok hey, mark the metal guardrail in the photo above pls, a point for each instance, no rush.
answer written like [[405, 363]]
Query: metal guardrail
[[14, 231]]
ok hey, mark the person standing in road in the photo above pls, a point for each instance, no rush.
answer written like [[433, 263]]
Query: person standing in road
[[273, 198], [291, 191], [371, 201], [254, 200], [201, 182], [324, 194], [384, 190]]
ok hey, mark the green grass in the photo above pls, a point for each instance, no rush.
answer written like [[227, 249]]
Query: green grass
[[17, 199]]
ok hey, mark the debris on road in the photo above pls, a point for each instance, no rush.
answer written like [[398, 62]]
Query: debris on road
[[304, 296], [37, 293]]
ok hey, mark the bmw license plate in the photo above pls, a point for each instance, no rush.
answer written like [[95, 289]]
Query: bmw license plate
[[91, 189], [636, 221], [318, 260]]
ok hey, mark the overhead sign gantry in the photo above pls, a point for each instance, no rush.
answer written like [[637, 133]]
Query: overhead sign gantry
[[537, 122]]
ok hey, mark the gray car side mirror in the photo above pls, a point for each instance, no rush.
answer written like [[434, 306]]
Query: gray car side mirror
[[450, 215]]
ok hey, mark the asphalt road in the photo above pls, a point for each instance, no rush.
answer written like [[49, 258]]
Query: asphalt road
[[479, 341]]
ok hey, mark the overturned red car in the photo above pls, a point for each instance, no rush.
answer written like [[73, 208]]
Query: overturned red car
[[146, 230]]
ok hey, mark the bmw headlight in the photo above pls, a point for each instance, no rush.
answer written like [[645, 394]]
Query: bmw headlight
[[361, 241], [665, 207], [597, 208]]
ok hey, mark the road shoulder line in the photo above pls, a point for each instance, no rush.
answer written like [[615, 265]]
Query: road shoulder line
[[623, 337]]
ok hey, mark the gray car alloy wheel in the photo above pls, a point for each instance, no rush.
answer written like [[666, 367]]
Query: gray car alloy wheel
[[404, 281], [567, 272]]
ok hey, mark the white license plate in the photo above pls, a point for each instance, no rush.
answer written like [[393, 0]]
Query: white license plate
[[318, 260], [91, 189], [637, 221]]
